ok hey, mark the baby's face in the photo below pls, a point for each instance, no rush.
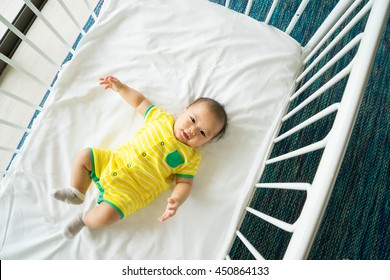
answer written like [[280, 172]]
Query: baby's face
[[196, 125]]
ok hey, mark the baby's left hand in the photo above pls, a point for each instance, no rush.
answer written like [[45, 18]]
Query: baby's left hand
[[170, 210], [111, 82]]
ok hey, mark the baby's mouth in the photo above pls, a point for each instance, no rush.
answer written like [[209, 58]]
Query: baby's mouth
[[185, 135]]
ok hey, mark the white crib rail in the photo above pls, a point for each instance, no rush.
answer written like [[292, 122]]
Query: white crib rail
[[335, 142], [339, 136], [37, 78]]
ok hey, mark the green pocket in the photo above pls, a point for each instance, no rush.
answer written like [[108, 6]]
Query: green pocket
[[174, 159]]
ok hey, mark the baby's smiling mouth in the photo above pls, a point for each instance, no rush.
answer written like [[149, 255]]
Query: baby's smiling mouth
[[185, 135]]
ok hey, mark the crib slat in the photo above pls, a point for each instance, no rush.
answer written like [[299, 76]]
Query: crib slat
[[328, 23], [276, 222], [21, 69], [298, 13], [271, 11], [338, 77], [6, 149], [20, 99], [250, 247], [351, 44], [287, 186], [345, 30], [49, 25], [327, 111], [307, 149], [321, 71], [71, 17], [93, 14], [248, 7], [27, 40], [14, 125]]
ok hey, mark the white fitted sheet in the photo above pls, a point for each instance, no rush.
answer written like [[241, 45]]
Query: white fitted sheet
[[173, 51]]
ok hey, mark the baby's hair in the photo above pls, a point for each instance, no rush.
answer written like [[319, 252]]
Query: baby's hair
[[219, 111]]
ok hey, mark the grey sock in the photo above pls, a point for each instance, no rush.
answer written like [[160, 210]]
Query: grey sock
[[74, 226], [68, 196]]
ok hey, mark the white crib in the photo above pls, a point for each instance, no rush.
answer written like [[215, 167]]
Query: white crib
[[315, 52]]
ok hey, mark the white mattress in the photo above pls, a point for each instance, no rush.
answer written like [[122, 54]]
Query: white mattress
[[173, 51]]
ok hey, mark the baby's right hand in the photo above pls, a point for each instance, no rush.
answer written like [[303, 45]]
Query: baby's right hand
[[111, 82]]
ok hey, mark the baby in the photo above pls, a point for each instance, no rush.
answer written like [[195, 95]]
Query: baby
[[164, 150]]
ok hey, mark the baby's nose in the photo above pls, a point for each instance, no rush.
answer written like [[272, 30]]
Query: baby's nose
[[192, 130]]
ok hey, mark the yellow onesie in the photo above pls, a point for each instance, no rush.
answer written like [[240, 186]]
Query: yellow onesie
[[136, 173]]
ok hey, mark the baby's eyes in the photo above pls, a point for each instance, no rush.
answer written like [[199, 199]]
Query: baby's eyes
[[202, 132]]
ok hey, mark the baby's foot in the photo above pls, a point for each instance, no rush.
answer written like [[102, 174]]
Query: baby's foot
[[69, 196], [74, 227]]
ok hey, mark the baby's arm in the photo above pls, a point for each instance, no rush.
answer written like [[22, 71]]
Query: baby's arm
[[180, 193], [133, 97]]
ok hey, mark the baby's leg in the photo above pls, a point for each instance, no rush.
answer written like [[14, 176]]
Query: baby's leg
[[98, 217], [81, 171], [80, 180], [102, 215]]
